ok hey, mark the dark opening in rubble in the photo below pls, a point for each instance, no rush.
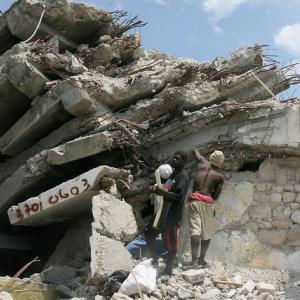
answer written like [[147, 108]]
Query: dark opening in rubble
[[250, 166]]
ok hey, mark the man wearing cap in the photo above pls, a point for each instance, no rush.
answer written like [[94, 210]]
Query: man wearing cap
[[206, 190]]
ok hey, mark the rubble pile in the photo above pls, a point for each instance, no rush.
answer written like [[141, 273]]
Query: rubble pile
[[87, 115]]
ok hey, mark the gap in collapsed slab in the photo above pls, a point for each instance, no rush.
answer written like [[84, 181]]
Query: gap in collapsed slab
[[41, 242], [250, 166]]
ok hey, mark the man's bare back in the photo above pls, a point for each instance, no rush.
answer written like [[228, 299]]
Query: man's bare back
[[206, 180]]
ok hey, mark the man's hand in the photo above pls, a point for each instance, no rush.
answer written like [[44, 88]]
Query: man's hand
[[156, 190]]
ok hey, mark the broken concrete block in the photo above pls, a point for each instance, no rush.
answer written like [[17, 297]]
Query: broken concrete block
[[63, 201], [80, 148], [76, 100], [248, 287], [113, 217], [194, 276], [264, 287], [24, 76], [103, 263], [71, 18]]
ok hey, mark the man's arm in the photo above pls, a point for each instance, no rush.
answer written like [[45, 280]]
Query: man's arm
[[217, 190], [167, 195], [199, 157]]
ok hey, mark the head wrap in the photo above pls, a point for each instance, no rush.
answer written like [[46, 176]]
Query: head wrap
[[217, 158], [165, 171]]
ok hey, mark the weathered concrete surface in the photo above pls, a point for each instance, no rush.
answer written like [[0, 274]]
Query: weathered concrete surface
[[110, 50], [80, 148], [68, 131], [262, 126], [121, 92], [71, 18], [113, 217], [24, 75], [63, 201], [107, 256], [199, 93]]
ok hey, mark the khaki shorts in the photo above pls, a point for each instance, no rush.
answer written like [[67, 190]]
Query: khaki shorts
[[201, 219]]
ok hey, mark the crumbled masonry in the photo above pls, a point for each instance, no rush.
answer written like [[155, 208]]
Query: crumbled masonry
[[87, 115]]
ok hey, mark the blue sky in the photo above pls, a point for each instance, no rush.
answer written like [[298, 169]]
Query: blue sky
[[204, 29]]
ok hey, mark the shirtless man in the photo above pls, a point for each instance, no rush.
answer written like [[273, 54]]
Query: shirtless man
[[206, 189]]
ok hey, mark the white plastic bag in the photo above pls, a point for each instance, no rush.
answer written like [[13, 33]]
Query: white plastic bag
[[144, 278]]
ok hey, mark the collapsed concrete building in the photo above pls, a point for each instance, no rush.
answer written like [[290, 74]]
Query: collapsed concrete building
[[87, 115]]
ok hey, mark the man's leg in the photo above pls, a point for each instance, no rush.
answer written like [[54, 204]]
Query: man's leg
[[150, 235], [204, 248], [195, 243], [170, 239]]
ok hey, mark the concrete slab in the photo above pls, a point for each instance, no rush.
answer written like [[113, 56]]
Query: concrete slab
[[80, 148], [63, 201], [260, 125]]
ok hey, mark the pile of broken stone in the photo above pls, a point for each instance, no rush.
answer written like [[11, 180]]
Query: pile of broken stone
[[86, 116]]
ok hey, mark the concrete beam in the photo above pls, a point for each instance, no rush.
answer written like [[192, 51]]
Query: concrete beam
[[44, 116], [13, 104], [80, 148], [24, 75], [62, 202], [68, 131], [194, 95]]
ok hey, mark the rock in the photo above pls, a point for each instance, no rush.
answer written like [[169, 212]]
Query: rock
[[295, 217], [294, 235], [248, 287], [119, 296], [272, 237], [194, 276], [263, 287], [171, 291], [98, 297], [288, 197], [211, 294], [60, 275], [264, 296], [261, 211], [231, 293], [64, 291], [183, 293]]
